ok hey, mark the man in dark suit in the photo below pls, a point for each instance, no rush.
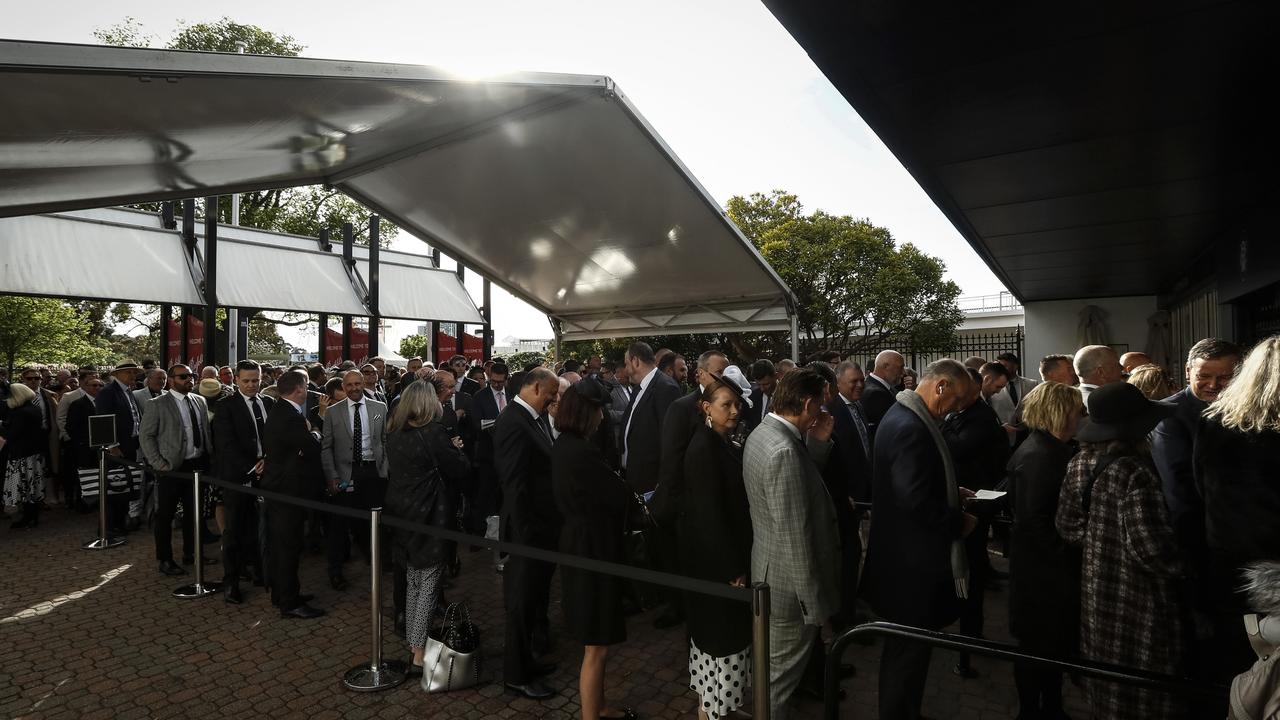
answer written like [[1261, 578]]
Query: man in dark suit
[[117, 399], [291, 454], [522, 457], [642, 423], [979, 448], [488, 403], [239, 421], [909, 577], [474, 380], [678, 425], [882, 387], [848, 478], [1211, 365], [175, 437], [764, 378]]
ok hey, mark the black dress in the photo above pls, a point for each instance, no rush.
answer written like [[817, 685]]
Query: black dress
[[715, 541], [593, 500], [417, 494]]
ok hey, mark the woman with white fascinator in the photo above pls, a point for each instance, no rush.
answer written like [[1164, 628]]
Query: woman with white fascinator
[[715, 544]]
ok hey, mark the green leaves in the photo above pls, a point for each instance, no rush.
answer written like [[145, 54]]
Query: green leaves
[[855, 287], [43, 330]]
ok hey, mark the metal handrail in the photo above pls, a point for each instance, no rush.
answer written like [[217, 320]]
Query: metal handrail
[[1124, 675]]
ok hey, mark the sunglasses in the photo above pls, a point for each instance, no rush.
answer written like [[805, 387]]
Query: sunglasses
[[181, 377]]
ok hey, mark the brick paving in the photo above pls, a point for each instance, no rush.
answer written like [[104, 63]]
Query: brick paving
[[95, 634]]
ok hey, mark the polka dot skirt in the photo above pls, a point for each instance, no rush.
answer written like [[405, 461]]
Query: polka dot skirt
[[721, 682]]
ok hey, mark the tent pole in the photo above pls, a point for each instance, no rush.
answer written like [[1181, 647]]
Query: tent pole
[[166, 312], [459, 327], [433, 350], [210, 281], [322, 320], [795, 337], [487, 299], [347, 260], [555, 328], [374, 320]]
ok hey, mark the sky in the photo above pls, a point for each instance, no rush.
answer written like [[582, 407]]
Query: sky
[[721, 81]]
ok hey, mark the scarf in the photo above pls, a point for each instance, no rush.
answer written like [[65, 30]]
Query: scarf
[[959, 558]]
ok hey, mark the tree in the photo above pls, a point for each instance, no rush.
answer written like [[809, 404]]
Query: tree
[[414, 346], [44, 330], [517, 361], [855, 287]]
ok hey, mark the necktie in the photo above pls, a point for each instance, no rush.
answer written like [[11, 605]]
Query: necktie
[[259, 422], [862, 428], [197, 432], [501, 395], [545, 424], [1013, 391], [357, 435]]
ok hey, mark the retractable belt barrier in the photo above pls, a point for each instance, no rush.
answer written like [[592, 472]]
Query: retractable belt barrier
[[378, 674], [1171, 684]]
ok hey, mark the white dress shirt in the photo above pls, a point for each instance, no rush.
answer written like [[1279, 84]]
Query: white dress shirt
[[366, 440]]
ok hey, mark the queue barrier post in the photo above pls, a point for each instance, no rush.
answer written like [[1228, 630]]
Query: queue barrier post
[[200, 588], [760, 649], [103, 541], [376, 674]]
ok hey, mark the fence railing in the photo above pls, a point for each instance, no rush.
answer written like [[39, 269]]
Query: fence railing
[[1178, 686], [378, 674]]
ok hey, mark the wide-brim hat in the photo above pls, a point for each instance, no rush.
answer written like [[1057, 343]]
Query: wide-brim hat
[[736, 382], [593, 391], [209, 388], [1119, 411]]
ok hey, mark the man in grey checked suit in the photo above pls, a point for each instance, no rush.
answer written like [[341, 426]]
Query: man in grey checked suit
[[796, 545], [353, 481], [174, 434]]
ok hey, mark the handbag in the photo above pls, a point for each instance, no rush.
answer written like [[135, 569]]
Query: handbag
[[118, 482], [452, 661]]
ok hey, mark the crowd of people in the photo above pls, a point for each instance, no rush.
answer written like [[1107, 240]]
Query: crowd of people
[[1130, 513]]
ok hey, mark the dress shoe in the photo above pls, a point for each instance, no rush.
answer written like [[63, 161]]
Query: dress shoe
[[305, 598], [337, 582], [542, 669], [534, 690], [627, 714], [302, 612], [169, 567], [963, 670], [232, 595], [133, 523]]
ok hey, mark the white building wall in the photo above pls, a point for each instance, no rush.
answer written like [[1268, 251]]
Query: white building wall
[[1051, 327]]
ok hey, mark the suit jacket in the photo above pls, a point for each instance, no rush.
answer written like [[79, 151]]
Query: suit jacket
[[907, 577], [876, 401], [848, 471], [796, 542], [53, 434], [467, 426], [291, 454], [336, 445], [522, 459], [144, 396], [235, 439], [642, 431], [64, 407], [469, 386], [677, 430], [979, 446], [1172, 450], [1002, 402], [79, 411], [115, 400], [164, 436], [750, 417]]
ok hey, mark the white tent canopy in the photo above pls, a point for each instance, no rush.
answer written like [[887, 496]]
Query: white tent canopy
[[553, 186], [118, 254]]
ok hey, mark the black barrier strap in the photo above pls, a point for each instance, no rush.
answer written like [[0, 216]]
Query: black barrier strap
[[1121, 674], [679, 582]]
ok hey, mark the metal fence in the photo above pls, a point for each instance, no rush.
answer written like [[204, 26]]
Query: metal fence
[[983, 344]]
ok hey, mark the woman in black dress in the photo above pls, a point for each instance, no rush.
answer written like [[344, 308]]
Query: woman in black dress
[[24, 469], [1044, 571], [715, 545], [594, 501]]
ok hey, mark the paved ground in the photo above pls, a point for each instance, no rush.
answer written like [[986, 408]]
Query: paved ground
[[97, 635]]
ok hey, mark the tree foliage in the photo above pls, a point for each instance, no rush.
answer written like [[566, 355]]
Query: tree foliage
[[44, 330], [414, 346], [855, 287]]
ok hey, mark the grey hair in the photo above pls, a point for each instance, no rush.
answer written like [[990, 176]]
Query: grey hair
[[846, 366], [1090, 358], [946, 367], [1262, 586]]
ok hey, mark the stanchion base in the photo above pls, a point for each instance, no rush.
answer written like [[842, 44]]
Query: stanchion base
[[197, 590], [103, 543], [367, 678]]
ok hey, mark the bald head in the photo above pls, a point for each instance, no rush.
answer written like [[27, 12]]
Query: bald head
[[1097, 365], [889, 366], [1131, 360]]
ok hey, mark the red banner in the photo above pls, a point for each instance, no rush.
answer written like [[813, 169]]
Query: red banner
[[173, 353], [195, 342], [447, 347], [333, 346]]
